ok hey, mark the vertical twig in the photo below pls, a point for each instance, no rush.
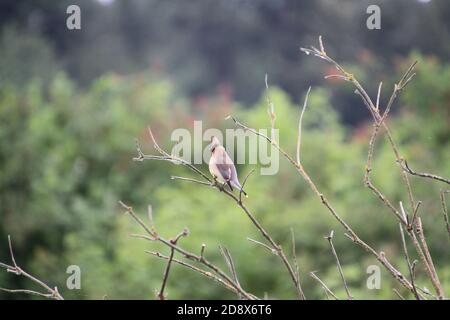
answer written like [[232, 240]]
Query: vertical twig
[[333, 250], [408, 261], [299, 134], [436, 282], [271, 109], [444, 209], [297, 269], [230, 263], [174, 241]]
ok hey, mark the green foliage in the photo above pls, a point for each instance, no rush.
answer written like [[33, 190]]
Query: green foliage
[[66, 158]]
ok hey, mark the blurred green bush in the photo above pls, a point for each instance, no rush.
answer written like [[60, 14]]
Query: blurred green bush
[[66, 159]]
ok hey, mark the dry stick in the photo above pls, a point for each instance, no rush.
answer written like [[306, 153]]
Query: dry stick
[[377, 106], [379, 120], [368, 181], [243, 184], [299, 134], [430, 270], [52, 293], [274, 247], [327, 290], [398, 294], [333, 250], [230, 263], [408, 261], [414, 217], [166, 157], [444, 209], [161, 295], [271, 109], [405, 167], [202, 251], [297, 269], [196, 269], [301, 170], [350, 233], [263, 245], [432, 275], [440, 292], [374, 110], [186, 254], [401, 218]]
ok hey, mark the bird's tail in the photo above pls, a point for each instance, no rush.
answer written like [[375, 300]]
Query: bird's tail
[[239, 187]]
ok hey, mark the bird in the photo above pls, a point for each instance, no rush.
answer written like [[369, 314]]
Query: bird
[[222, 167]]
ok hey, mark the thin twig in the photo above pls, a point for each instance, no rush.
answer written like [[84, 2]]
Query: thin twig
[[380, 121], [196, 269], [436, 282], [271, 108], [53, 293], [209, 182], [405, 166], [444, 209], [174, 241], [241, 191], [186, 254], [350, 233], [408, 262], [324, 286], [230, 263], [299, 134], [377, 106], [297, 269], [263, 245], [341, 272], [398, 294]]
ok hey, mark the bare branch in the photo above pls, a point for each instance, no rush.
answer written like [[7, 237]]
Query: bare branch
[[271, 109], [196, 269], [377, 106], [241, 191], [333, 250], [53, 293], [230, 263], [435, 278], [444, 209], [174, 241], [380, 121], [350, 233], [405, 166], [297, 269], [299, 134], [263, 245], [408, 262], [327, 290], [186, 254], [398, 294], [166, 157]]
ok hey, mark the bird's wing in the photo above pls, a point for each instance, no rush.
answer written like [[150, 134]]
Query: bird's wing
[[224, 164]]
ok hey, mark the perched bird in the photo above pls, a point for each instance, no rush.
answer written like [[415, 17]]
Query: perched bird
[[222, 167]]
